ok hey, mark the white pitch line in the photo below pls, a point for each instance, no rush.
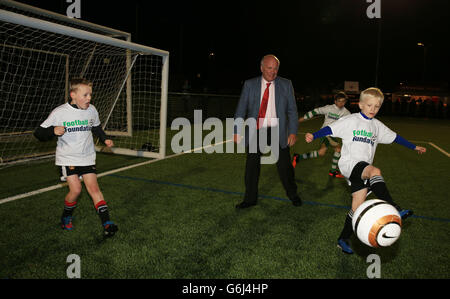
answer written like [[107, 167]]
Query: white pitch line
[[433, 145], [60, 185], [35, 192], [439, 149]]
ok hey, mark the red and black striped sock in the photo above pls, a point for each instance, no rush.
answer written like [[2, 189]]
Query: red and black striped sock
[[69, 207], [102, 211]]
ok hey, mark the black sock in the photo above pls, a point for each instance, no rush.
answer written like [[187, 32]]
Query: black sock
[[69, 207], [102, 210], [347, 231], [379, 188]]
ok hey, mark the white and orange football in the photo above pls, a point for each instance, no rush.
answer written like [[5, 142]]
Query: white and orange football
[[377, 223]]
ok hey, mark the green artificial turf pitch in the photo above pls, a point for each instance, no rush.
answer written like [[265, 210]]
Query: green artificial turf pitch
[[177, 217]]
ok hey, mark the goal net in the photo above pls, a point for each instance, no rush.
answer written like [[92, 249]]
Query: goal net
[[38, 58]]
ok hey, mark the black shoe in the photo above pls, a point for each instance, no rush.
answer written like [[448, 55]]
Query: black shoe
[[296, 201], [109, 229], [245, 204]]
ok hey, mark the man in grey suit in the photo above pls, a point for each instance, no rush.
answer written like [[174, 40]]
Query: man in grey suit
[[269, 100]]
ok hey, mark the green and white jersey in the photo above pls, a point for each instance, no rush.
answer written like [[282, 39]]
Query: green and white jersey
[[76, 146], [360, 137], [332, 113]]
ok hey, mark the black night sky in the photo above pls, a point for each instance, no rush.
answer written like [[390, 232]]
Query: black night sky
[[320, 43]]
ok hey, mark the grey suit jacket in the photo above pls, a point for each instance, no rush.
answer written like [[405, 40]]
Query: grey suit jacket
[[286, 108]]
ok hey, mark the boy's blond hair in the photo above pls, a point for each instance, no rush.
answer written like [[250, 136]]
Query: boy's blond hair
[[371, 92], [76, 82]]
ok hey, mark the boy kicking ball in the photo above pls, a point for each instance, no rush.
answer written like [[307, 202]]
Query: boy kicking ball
[[361, 133], [73, 123]]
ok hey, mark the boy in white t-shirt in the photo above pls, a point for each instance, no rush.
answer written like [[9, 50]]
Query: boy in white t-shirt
[[73, 123], [331, 113], [361, 133]]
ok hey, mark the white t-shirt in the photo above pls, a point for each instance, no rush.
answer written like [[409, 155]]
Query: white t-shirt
[[360, 137], [76, 146], [332, 113]]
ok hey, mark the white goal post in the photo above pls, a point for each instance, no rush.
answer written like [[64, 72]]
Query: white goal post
[[37, 58]]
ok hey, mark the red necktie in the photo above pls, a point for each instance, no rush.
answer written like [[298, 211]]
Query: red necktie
[[263, 107]]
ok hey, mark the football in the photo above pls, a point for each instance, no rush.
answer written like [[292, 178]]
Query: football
[[376, 223]]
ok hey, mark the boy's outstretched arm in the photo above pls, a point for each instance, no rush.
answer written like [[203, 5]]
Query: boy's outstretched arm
[[402, 141], [311, 114], [325, 131]]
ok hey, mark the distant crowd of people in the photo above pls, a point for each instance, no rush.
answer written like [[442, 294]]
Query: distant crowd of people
[[420, 107], [425, 107]]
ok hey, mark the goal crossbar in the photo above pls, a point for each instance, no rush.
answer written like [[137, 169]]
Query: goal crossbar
[[62, 18], [12, 17]]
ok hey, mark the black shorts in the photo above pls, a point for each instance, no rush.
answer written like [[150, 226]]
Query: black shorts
[[357, 183], [66, 171]]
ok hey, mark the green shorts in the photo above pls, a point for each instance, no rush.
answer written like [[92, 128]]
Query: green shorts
[[330, 141]]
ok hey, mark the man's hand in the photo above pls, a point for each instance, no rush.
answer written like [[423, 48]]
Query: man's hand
[[292, 139], [309, 137]]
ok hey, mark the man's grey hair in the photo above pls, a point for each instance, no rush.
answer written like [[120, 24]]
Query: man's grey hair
[[270, 55]]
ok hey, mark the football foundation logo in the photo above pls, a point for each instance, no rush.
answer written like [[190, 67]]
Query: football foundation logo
[[78, 125], [364, 136]]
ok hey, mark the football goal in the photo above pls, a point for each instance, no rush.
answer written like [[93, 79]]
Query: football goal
[[41, 51]]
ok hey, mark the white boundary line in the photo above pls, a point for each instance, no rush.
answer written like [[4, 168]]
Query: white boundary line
[[433, 145], [35, 192], [439, 149], [60, 185]]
